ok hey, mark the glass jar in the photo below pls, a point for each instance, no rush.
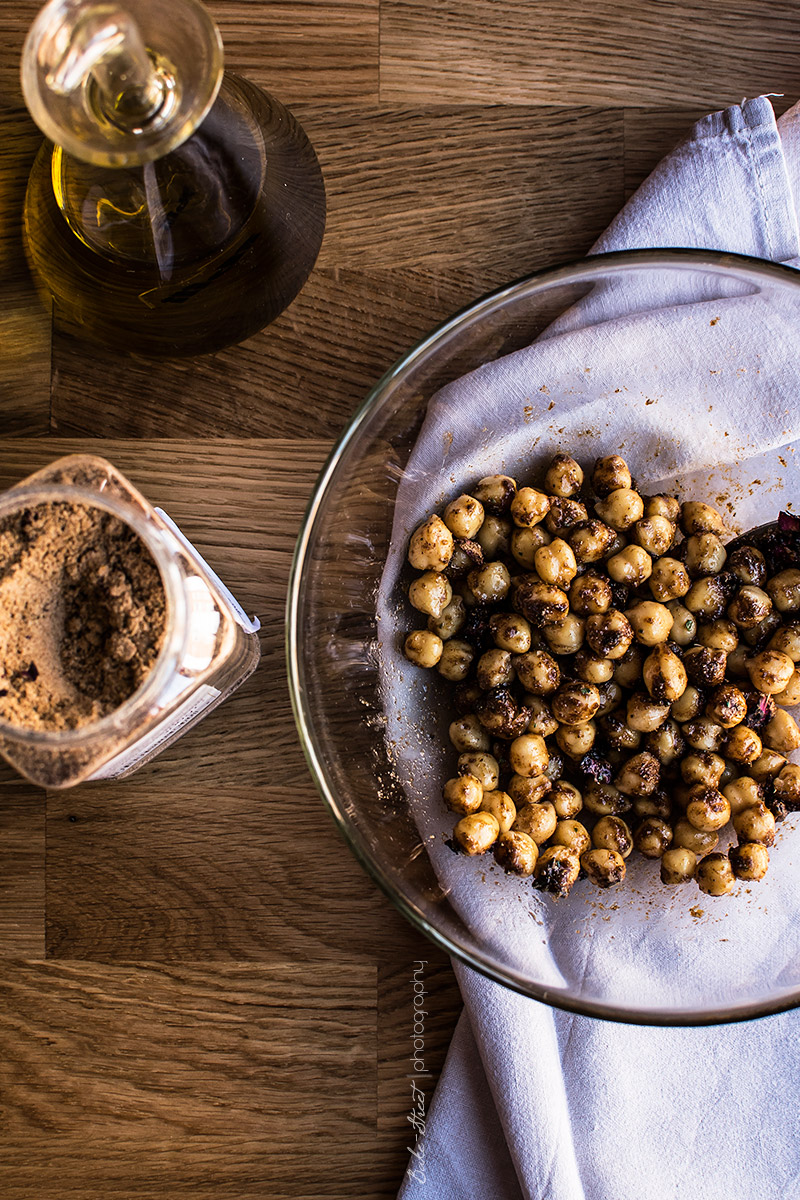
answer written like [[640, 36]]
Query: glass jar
[[209, 647]]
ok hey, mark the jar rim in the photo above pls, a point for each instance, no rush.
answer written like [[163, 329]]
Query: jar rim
[[175, 633]]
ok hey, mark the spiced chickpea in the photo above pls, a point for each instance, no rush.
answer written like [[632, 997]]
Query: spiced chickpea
[[605, 800], [644, 714], [790, 696], [528, 754], [699, 841], [669, 580], [464, 794], [668, 507], [575, 703], [708, 810], [576, 740], [537, 820], [430, 593], [510, 632], [464, 516], [591, 668], [423, 648], [651, 622], [736, 665], [657, 804], [720, 634], [666, 742], [684, 625], [784, 590], [654, 534], [538, 672], [501, 806], [525, 543], [770, 671], [481, 766], [639, 776], [566, 799], [556, 563], [609, 634], [787, 640], [781, 733], [431, 545], [750, 861], [652, 837], [609, 474], [477, 832], [748, 565], [591, 540], [749, 607], [494, 669], [450, 621], [494, 537], [573, 835], [590, 594], [516, 853], [787, 785], [697, 517], [605, 868], [557, 869], [467, 733], [705, 667], [455, 660], [495, 493], [490, 582], [564, 515], [628, 668], [528, 789], [727, 706], [567, 636], [707, 597], [678, 865], [704, 554], [759, 635], [703, 766], [664, 674], [743, 793], [755, 824], [501, 714], [632, 565], [768, 764], [541, 603], [688, 706], [742, 745], [612, 833], [702, 733], [715, 875], [542, 720], [529, 507]]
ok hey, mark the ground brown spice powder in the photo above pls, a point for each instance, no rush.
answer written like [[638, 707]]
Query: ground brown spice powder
[[82, 615]]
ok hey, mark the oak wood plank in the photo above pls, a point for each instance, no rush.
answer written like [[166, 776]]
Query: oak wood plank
[[22, 867], [599, 52]]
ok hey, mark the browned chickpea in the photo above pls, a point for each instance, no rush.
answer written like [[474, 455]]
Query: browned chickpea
[[631, 565], [652, 837], [781, 733], [703, 734], [564, 477], [500, 714], [612, 833], [678, 865], [541, 603], [699, 841], [666, 742], [556, 870], [618, 732], [768, 764], [525, 543], [727, 706], [482, 766], [463, 794], [566, 799], [688, 706], [651, 622], [664, 674], [707, 810], [756, 824], [495, 493], [591, 668], [556, 563], [669, 580], [431, 546], [770, 671], [501, 806], [720, 634], [715, 875], [707, 597], [591, 540], [790, 696], [628, 668], [510, 632], [684, 625], [494, 538], [749, 607], [590, 594], [705, 667], [516, 853], [702, 767], [423, 648], [528, 789], [639, 776], [657, 804], [610, 473], [567, 636], [430, 593], [564, 515], [494, 668], [697, 517], [573, 835], [668, 507], [537, 820], [467, 733], [743, 793], [464, 516], [605, 868], [604, 800], [750, 861], [542, 720], [742, 745], [538, 672], [609, 634], [576, 740], [704, 554], [477, 832], [787, 785], [759, 635], [748, 565], [784, 590], [575, 703], [528, 755], [654, 534], [529, 506], [490, 582], [786, 639], [644, 714]]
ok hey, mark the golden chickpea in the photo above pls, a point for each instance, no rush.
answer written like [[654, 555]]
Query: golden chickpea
[[707, 597], [541, 603], [705, 554], [482, 766], [455, 660], [516, 853], [781, 733], [759, 634], [463, 794], [575, 703], [464, 516], [611, 696], [742, 793], [703, 766], [770, 671], [605, 800], [699, 841], [748, 565], [494, 669], [768, 764], [538, 672], [639, 776], [645, 714], [510, 632], [669, 580], [605, 868], [619, 733], [566, 799], [749, 607], [495, 493], [450, 621], [423, 648], [573, 835], [678, 865], [490, 582], [701, 733], [737, 661], [609, 634], [431, 545], [787, 785], [727, 706], [494, 537], [654, 534], [610, 473], [556, 563], [705, 667], [755, 824], [525, 543], [628, 668], [477, 832], [684, 625], [664, 674], [591, 540], [666, 742], [564, 477], [632, 565], [528, 789], [430, 593], [564, 515], [528, 754], [790, 696], [784, 590], [652, 837], [576, 740], [697, 517], [742, 745], [557, 868], [467, 733], [591, 668], [566, 637], [590, 593], [786, 639], [620, 509], [750, 861], [542, 720], [715, 875], [720, 634], [708, 810], [529, 507], [502, 807], [612, 833], [537, 820], [651, 622]]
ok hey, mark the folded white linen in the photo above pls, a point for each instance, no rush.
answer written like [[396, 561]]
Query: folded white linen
[[538, 1103]]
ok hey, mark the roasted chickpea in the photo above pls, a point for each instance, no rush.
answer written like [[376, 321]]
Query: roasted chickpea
[[609, 634], [605, 868], [749, 607], [605, 800], [542, 720], [556, 563], [591, 593], [702, 733], [628, 668], [743, 793], [466, 555], [768, 764], [742, 745], [463, 794], [720, 634], [500, 714], [639, 776], [669, 580], [495, 493], [510, 632], [575, 703], [704, 554], [564, 515], [785, 639], [541, 603], [612, 833], [652, 837], [697, 517], [537, 820], [748, 565], [566, 799], [689, 706], [528, 789], [494, 537], [755, 824], [502, 807], [610, 474], [538, 672], [678, 865], [715, 875], [516, 853], [654, 534], [644, 714], [528, 754], [666, 742], [591, 540], [430, 593], [467, 733], [705, 667], [699, 841], [619, 732], [784, 590], [431, 546], [781, 733], [494, 669], [708, 810], [529, 507], [632, 566], [450, 621], [759, 635], [727, 706], [703, 766], [573, 835], [481, 766], [556, 870], [525, 543], [737, 662], [684, 625], [477, 832], [658, 804], [455, 660], [620, 509], [566, 637], [564, 477], [464, 516], [591, 668], [750, 861], [790, 696], [423, 648], [576, 740], [490, 582], [770, 671], [707, 597], [651, 622], [664, 674]]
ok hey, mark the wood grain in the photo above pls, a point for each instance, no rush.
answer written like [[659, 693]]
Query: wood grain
[[599, 52], [22, 868]]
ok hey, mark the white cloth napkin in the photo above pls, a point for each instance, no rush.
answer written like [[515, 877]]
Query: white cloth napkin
[[534, 1102]]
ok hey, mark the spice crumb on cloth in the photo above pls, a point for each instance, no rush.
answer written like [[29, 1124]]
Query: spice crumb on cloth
[[82, 615]]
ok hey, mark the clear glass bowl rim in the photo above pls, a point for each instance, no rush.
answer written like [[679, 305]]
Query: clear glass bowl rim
[[592, 267]]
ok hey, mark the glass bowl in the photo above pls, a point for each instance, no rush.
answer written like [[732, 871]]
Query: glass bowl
[[641, 952]]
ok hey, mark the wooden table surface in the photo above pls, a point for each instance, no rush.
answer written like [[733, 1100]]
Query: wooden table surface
[[185, 1009]]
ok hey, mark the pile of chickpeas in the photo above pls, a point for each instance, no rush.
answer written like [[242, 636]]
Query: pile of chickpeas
[[620, 679]]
